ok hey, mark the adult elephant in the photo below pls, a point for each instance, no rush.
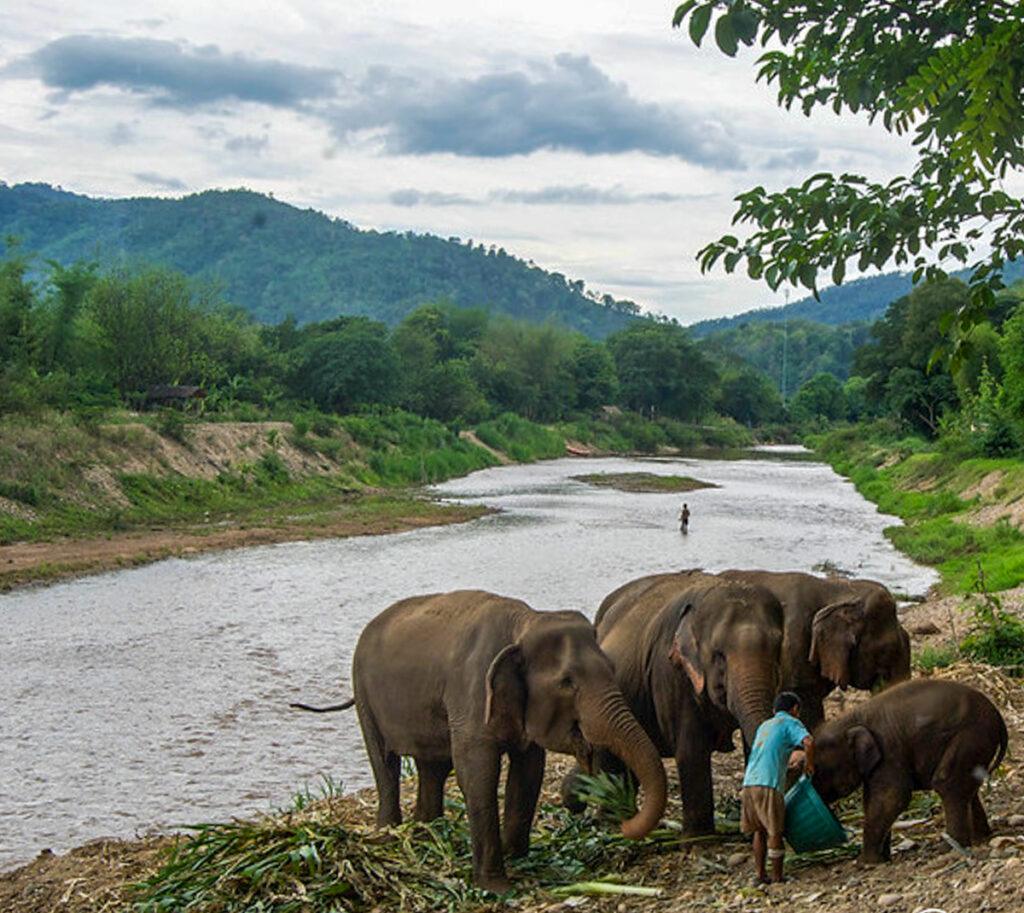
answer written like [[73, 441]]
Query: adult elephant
[[459, 679], [838, 633], [696, 656]]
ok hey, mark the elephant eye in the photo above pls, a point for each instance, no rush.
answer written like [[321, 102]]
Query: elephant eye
[[566, 682]]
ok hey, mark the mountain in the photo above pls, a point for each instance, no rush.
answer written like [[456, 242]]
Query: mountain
[[274, 259], [860, 301]]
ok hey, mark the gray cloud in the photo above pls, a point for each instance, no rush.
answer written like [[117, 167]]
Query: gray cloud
[[409, 196], [254, 145], [793, 158], [569, 104], [159, 180], [555, 195], [121, 134], [587, 195], [171, 73]]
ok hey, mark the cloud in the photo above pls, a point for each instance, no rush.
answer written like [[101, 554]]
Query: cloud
[[254, 145], [555, 195], [170, 73], [793, 158], [121, 134], [569, 104], [409, 196], [159, 180], [587, 195]]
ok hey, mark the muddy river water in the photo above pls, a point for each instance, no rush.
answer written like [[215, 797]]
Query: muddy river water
[[158, 696]]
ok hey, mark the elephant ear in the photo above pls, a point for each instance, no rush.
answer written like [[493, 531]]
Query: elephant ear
[[834, 633], [505, 702], [866, 751], [685, 653]]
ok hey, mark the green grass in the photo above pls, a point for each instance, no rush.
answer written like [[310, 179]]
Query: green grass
[[521, 440], [643, 482], [922, 486], [932, 658]]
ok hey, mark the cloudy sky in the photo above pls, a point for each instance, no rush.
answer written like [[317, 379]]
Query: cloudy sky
[[587, 136]]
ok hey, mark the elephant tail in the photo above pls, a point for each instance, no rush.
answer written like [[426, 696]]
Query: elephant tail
[[349, 703], [1004, 739]]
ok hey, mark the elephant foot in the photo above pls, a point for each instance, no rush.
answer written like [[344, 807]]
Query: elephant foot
[[570, 798], [496, 884], [871, 858]]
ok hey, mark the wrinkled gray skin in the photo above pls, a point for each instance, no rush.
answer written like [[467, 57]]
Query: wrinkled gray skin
[[918, 735], [838, 633], [696, 657], [459, 679]]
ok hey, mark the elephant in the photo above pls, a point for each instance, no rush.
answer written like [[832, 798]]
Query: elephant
[[696, 656], [920, 734], [458, 680], [838, 633]]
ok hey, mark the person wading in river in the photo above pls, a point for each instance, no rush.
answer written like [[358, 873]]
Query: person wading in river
[[684, 519], [763, 811]]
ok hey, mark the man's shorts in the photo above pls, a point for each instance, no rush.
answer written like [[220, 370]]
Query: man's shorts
[[762, 809]]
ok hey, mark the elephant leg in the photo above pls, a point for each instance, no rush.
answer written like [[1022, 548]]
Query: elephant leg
[[957, 810], [386, 766], [693, 762], [980, 829], [522, 789], [477, 769], [886, 795], [812, 711], [430, 793]]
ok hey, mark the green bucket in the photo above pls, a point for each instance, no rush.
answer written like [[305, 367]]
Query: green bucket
[[810, 824]]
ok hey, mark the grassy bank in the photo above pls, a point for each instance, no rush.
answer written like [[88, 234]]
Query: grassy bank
[[961, 516]]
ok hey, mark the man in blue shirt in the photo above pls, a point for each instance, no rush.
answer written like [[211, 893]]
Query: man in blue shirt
[[764, 806]]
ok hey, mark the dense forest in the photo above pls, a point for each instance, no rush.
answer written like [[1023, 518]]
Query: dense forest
[[85, 338], [276, 261]]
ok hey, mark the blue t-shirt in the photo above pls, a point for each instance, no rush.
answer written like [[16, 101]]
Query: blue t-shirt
[[774, 741]]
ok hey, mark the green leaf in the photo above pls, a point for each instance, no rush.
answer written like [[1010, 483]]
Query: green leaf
[[681, 12], [725, 35], [699, 22], [838, 272]]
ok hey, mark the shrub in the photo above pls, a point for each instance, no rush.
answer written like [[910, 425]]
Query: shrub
[[932, 658], [171, 423], [996, 637]]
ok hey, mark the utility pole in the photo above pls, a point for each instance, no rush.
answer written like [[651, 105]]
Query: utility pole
[[785, 348]]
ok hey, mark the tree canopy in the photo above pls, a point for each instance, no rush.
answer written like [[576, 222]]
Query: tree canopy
[[948, 73]]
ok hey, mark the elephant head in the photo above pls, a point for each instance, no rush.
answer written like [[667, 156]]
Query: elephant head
[[844, 756], [556, 688], [857, 639], [727, 641]]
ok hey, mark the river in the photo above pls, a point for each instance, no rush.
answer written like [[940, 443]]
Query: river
[[155, 697]]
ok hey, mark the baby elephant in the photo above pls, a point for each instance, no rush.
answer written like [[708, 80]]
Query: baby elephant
[[921, 734]]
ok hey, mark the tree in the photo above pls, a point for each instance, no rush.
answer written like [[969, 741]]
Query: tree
[[821, 398], [949, 72], [662, 371], [749, 396], [896, 363], [593, 374], [351, 365]]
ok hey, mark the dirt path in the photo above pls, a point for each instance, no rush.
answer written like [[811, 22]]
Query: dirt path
[[926, 875], [34, 562]]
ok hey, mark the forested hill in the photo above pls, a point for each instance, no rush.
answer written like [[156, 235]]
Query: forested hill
[[860, 301], [274, 259]]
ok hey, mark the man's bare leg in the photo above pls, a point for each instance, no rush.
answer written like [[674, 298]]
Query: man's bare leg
[[760, 855], [777, 855]]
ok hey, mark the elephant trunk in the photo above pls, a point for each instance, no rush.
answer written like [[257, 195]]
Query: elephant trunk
[[751, 693], [606, 721]]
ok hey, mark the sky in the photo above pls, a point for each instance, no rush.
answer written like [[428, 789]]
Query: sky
[[590, 137]]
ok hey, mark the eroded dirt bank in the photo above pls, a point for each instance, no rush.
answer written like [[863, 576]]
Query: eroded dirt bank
[[926, 873]]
